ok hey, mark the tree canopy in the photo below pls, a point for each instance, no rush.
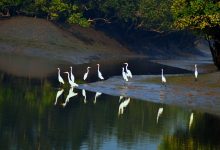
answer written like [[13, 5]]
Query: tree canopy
[[203, 15], [157, 15], [144, 14]]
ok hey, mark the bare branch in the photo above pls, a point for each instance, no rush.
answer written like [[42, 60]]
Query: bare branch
[[97, 19]]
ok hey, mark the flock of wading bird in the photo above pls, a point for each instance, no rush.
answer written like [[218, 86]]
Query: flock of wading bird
[[126, 74]]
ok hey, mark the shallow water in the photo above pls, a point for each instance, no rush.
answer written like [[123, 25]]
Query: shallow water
[[30, 119]]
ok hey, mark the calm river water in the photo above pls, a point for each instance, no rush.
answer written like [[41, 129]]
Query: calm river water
[[32, 118]]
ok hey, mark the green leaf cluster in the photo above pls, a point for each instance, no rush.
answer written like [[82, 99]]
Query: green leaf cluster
[[157, 15], [196, 14], [59, 10]]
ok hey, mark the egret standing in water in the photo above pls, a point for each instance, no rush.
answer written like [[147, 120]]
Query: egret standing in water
[[71, 75], [124, 75], [72, 84], [60, 79], [97, 94], [196, 72], [128, 72], [99, 73], [163, 79], [86, 74], [60, 92], [84, 95]]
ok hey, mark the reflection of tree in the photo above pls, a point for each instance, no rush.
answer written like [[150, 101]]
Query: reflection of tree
[[28, 120], [204, 134]]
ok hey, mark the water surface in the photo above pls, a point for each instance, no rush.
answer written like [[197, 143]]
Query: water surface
[[29, 119]]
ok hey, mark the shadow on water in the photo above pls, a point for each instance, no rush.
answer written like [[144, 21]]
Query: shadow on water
[[29, 119], [39, 68], [109, 68]]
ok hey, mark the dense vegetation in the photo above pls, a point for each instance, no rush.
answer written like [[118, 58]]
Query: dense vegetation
[[202, 16], [149, 14], [153, 15]]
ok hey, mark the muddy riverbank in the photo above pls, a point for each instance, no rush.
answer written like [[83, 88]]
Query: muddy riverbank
[[32, 47]]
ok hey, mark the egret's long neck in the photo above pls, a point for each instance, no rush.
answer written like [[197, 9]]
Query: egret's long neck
[[68, 76], [98, 67], [71, 69], [126, 66], [162, 73], [195, 68], [58, 72], [87, 70]]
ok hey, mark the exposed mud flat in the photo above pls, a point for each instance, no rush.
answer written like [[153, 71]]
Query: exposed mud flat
[[180, 90]]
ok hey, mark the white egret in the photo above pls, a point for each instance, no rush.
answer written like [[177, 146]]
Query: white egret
[[124, 75], [60, 92], [160, 111], [86, 74], [123, 105], [60, 79], [99, 73], [163, 77], [71, 94], [97, 94], [71, 75], [120, 98], [72, 84], [190, 120], [196, 72], [84, 95], [128, 72]]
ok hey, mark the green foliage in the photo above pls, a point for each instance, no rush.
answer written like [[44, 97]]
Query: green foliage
[[77, 18], [60, 10], [196, 14], [140, 14], [7, 4], [155, 14], [143, 14]]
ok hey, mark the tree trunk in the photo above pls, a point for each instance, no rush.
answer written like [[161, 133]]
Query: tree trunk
[[215, 50]]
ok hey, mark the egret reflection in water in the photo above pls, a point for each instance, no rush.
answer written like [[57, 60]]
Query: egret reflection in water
[[84, 95], [71, 94], [97, 94], [123, 105], [120, 98], [59, 93], [159, 113], [190, 120]]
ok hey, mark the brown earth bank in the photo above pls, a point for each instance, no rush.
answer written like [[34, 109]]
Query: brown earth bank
[[29, 43], [39, 37], [34, 47]]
